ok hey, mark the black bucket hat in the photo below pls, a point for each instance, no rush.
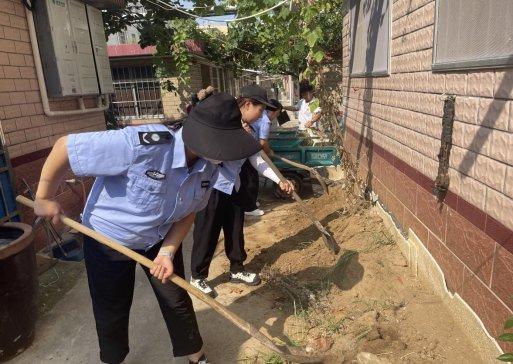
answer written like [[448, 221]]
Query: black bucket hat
[[214, 130]]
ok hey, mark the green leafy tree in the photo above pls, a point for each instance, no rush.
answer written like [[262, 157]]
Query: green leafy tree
[[294, 38]]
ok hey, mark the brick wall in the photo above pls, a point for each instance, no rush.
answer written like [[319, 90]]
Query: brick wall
[[394, 128], [26, 131], [175, 103]]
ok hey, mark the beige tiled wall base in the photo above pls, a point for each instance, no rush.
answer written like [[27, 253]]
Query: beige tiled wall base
[[424, 266]]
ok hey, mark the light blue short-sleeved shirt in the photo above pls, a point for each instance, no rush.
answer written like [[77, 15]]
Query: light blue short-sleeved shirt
[[228, 179], [261, 127], [143, 184]]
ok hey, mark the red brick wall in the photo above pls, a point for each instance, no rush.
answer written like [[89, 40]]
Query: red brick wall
[[26, 131], [393, 129]]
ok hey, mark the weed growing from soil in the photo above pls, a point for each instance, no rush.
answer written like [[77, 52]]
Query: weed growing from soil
[[362, 334], [507, 337], [273, 359], [335, 327], [379, 240], [267, 358]]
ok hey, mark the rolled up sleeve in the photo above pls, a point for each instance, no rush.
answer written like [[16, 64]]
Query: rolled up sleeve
[[96, 154]]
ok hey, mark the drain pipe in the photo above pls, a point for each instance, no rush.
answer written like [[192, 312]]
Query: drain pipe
[[102, 104]]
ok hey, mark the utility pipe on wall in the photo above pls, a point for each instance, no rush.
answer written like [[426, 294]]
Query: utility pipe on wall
[[102, 104]]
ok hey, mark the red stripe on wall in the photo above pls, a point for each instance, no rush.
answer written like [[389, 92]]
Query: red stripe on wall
[[484, 222], [30, 157]]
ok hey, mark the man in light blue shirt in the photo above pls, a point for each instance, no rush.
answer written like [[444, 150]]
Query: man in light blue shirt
[[150, 182]]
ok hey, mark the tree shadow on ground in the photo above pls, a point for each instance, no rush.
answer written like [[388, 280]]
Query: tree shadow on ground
[[270, 255]]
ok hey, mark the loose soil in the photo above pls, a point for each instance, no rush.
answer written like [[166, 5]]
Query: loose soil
[[365, 299]]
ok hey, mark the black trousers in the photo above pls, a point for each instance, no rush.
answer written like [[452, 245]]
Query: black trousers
[[249, 186], [220, 213], [111, 279]]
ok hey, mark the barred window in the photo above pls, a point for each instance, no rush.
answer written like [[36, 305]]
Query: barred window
[[137, 93]]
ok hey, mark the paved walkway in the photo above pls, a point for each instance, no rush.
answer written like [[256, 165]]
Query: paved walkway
[[67, 333]]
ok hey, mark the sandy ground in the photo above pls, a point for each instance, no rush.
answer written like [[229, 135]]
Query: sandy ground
[[363, 299]]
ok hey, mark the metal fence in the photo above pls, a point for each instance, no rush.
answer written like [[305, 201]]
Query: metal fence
[[137, 93]]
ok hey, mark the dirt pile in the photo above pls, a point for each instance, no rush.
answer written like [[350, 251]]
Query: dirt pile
[[365, 299]]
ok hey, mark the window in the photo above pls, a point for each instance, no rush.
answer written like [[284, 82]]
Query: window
[[136, 93], [370, 38], [215, 78], [122, 38], [221, 80], [473, 34], [205, 75]]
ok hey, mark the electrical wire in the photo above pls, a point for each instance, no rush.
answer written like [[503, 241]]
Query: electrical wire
[[166, 6]]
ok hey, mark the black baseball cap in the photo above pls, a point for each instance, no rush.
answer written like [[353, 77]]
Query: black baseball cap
[[214, 130], [256, 93], [276, 105]]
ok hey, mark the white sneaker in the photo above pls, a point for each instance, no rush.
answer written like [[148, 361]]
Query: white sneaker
[[203, 286], [202, 360], [257, 212], [251, 279]]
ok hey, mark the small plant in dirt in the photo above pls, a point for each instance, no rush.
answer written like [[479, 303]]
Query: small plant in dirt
[[335, 327], [507, 337], [379, 239], [274, 359]]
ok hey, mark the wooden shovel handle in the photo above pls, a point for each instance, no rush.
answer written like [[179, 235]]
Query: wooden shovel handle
[[239, 322], [279, 174], [312, 171], [294, 164], [289, 354]]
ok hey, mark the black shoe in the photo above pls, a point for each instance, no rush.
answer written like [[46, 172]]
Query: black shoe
[[202, 360]]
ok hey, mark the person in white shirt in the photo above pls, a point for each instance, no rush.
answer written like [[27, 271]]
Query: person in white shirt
[[307, 118]]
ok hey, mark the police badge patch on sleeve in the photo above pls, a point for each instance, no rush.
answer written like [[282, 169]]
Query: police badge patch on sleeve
[[156, 175], [154, 137]]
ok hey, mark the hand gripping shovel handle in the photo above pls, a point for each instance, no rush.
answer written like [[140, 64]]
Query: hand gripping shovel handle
[[219, 308], [326, 236], [312, 171]]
